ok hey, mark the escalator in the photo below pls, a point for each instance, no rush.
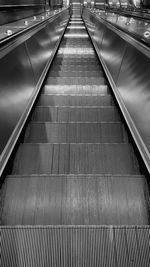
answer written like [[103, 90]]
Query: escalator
[[76, 165]]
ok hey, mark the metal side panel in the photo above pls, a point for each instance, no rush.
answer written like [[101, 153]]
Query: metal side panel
[[40, 46], [110, 45], [18, 9], [39, 49], [112, 51], [16, 86], [127, 65], [96, 30], [134, 87], [99, 33], [75, 246], [23, 70]]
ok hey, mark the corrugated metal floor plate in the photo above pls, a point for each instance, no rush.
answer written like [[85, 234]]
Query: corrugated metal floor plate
[[89, 246]]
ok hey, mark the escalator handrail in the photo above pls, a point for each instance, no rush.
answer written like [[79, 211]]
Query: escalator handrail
[[37, 26], [143, 47]]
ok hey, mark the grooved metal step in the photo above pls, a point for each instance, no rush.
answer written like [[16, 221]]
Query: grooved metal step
[[78, 45], [75, 133], [80, 114], [55, 100], [78, 61], [79, 67], [75, 159], [75, 200], [71, 74], [76, 80], [89, 90], [75, 246]]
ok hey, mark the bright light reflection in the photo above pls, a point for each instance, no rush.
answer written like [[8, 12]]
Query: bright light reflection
[[147, 34], [75, 22], [60, 29], [79, 51], [76, 35], [75, 27]]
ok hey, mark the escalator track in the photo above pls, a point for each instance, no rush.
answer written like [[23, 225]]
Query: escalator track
[[76, 165]]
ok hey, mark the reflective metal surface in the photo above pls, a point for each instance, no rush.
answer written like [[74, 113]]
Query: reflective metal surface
[[133, 84], [22, 67], [16, 85], [112, 51], [41, 45], [18, 9], [13, 28], [139, 28], [128, 68], [39, 48]]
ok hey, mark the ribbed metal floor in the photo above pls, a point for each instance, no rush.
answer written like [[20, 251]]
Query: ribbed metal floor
[[74, 246], [76, 167]]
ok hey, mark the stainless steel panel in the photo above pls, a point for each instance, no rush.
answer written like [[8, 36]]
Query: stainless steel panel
[[18, 9], [40, 46], [16, 85], [20, 78], [96, 30], [134, 26], [110, 45], [128, 68], [14, 14], [134, 87], [39, 49], [99, 33], [112, 51]]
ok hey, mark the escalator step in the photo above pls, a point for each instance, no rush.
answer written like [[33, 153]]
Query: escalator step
[[61, 100], [76, 80], [75, 133], [75, 159], [75, 58], [76, 89], [76, 67], [79, 44], [79, 53], [75, 200], [62, 114], [76, 61], [75, 73]]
